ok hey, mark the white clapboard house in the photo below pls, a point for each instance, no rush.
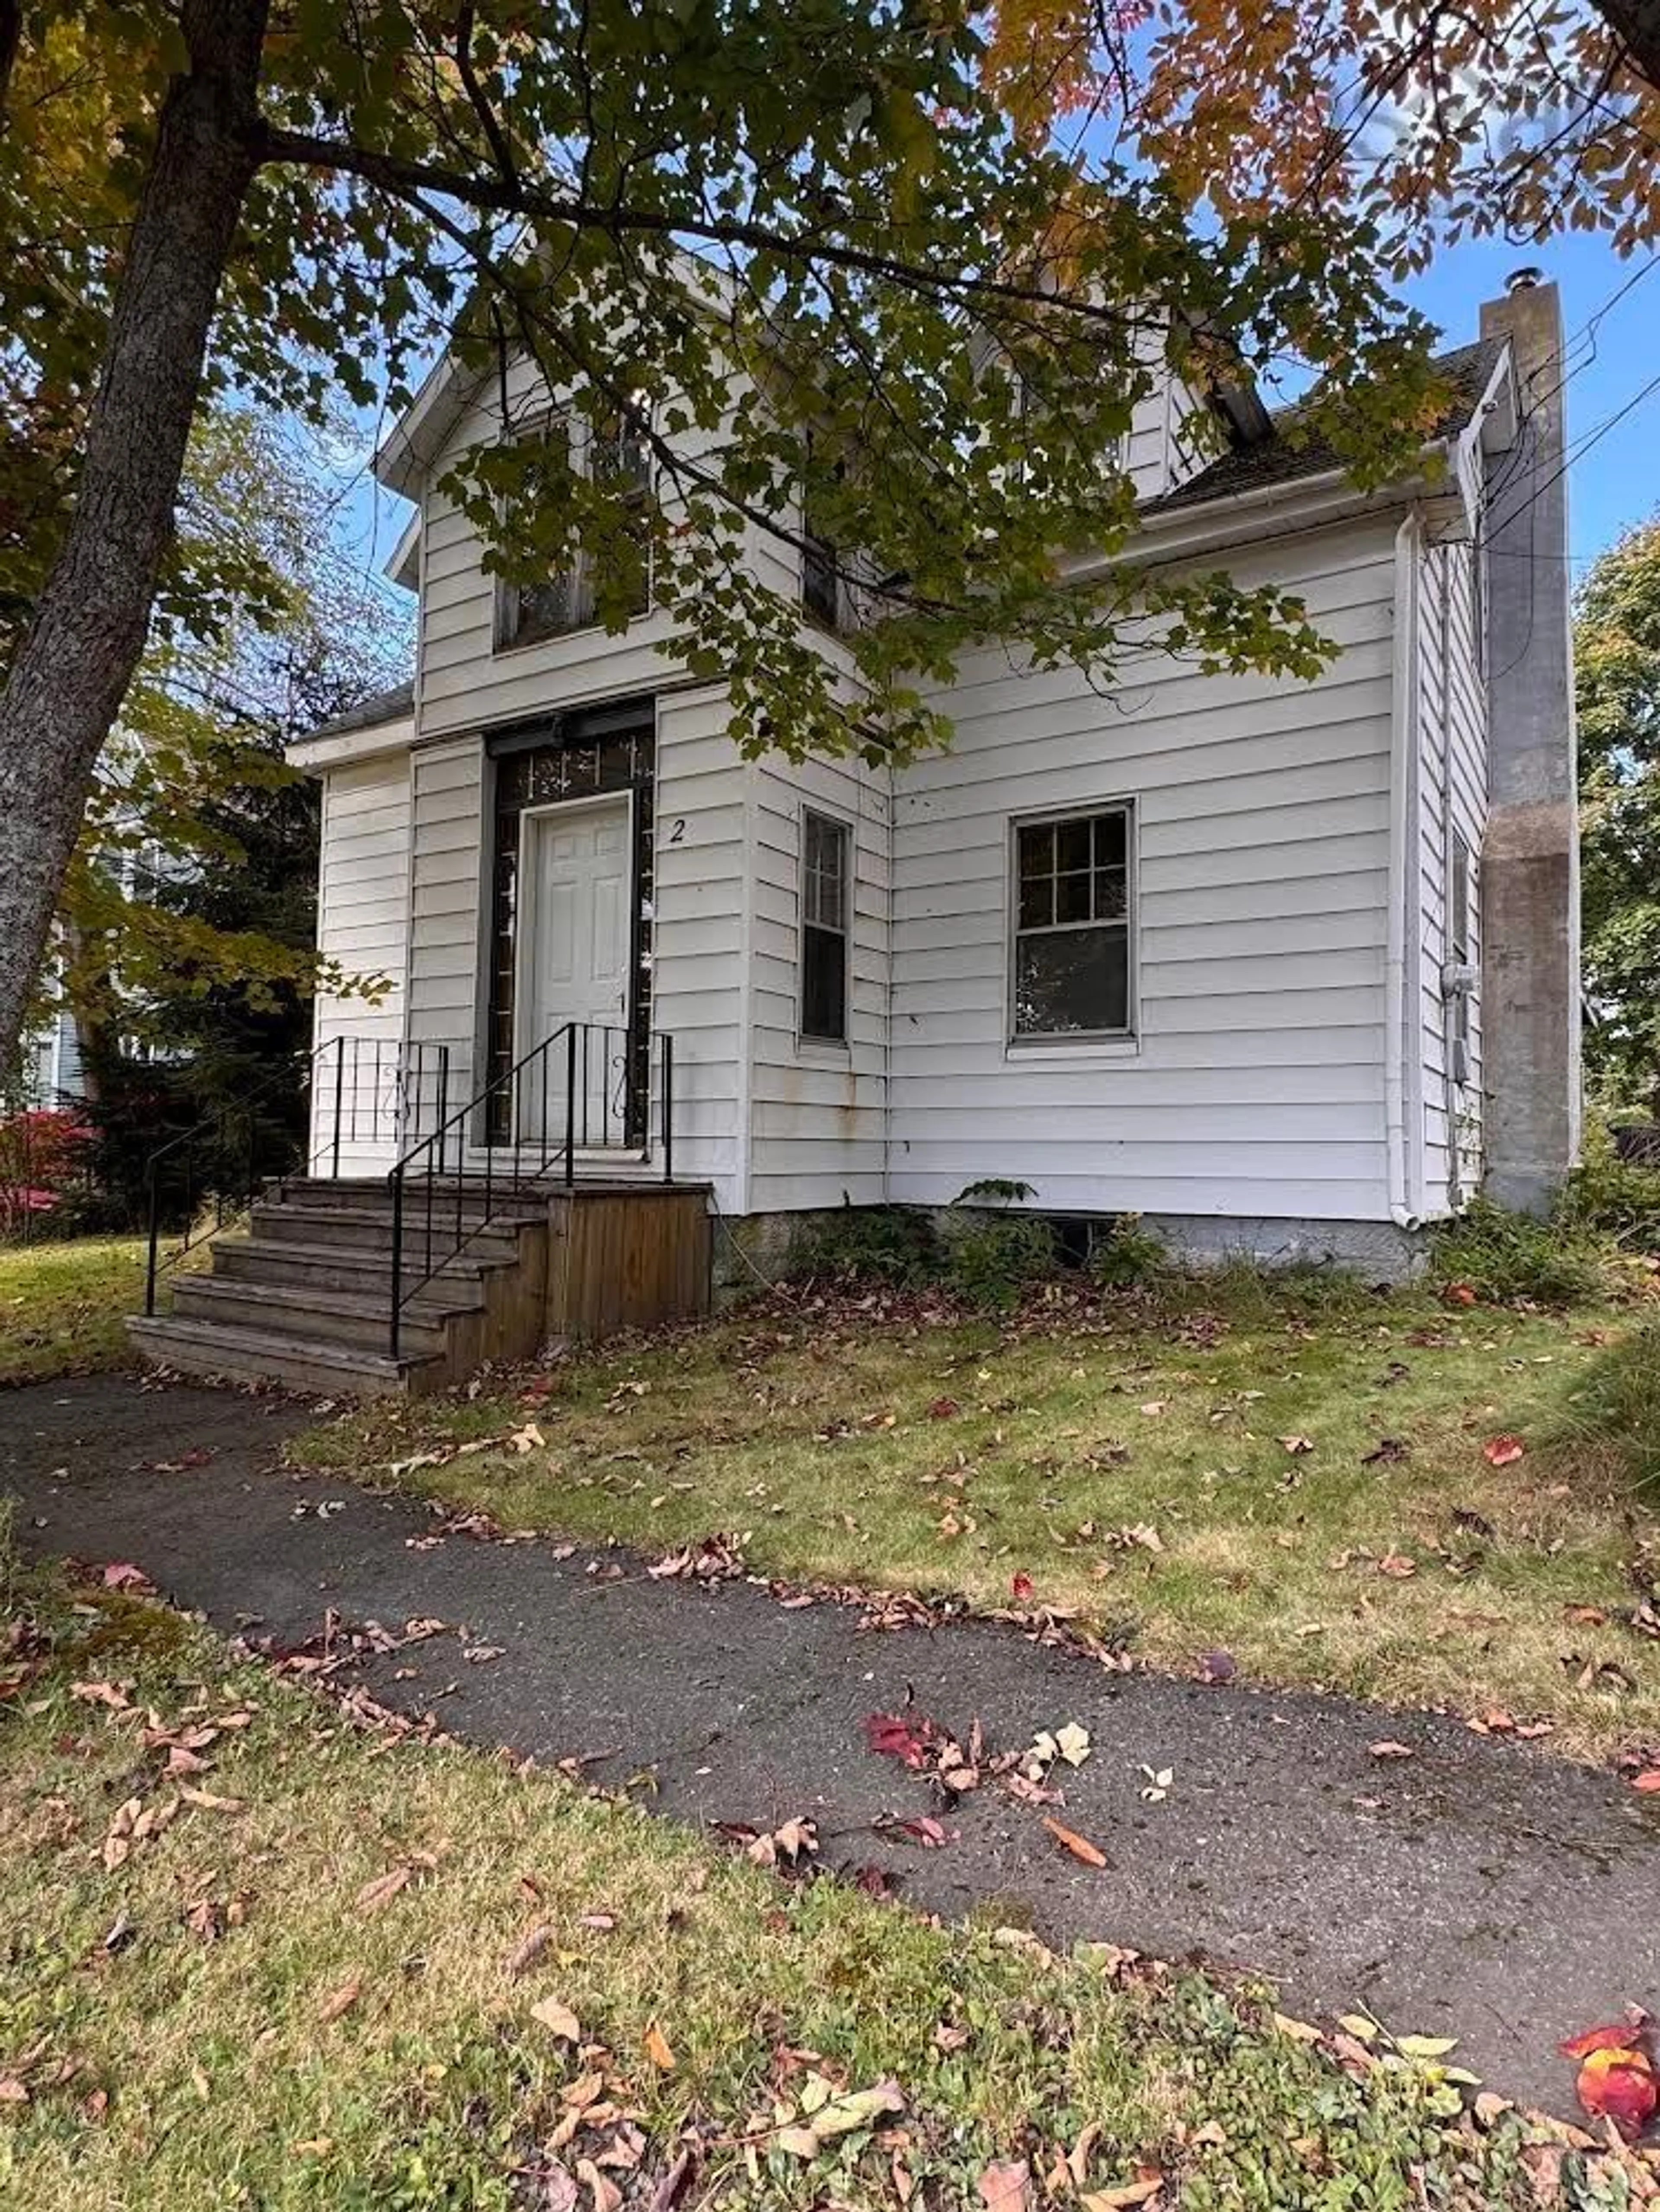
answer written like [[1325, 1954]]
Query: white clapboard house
[[1289, 967]]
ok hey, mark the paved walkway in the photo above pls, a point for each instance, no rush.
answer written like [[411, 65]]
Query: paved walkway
[[1477, 1889]]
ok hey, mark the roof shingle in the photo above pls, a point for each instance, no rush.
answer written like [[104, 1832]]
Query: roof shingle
[[1277, 459]]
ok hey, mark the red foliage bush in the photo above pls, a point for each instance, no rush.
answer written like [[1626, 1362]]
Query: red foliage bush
[[43, 1151]]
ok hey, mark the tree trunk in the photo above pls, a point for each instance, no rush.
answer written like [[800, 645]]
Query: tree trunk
[[1636, 23], [11, 37], [72, 669]]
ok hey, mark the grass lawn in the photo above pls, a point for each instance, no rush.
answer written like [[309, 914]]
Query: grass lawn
[[62, 1305], [351, 1973], [1301, 1481]]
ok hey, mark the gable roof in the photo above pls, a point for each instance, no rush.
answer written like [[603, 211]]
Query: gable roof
[[389, 706], [1277, 459]]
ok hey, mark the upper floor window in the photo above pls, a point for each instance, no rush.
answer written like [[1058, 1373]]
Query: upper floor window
[[821, 580], [826, 900], [1072, 952], [611, 449]]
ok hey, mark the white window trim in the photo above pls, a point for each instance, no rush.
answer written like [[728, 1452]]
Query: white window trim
[[579, 428], [832, 1048], [1070, 1045]]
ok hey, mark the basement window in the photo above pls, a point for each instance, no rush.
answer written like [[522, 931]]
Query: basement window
[[826, 858], [1070, 963]]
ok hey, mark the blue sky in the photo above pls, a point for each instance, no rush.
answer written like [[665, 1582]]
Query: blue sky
[[1616, 481]]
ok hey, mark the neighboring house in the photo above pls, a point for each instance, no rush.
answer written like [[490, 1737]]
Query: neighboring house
[[1287, 967], [52, 1060]]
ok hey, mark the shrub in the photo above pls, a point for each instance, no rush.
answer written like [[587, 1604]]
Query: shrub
[[1128, 1256], [994, 1255], [893, 1244], [43, 1157], [1619, 1197], [1504, 1256]]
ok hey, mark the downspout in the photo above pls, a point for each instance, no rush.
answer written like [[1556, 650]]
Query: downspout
[[1453, 1104], [1403, 1072], [743, 1143]]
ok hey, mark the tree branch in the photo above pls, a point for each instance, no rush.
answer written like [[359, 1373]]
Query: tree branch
[[412, 181], [1636, 24]]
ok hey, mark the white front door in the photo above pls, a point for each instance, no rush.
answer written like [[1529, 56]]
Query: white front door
[[575, 865]]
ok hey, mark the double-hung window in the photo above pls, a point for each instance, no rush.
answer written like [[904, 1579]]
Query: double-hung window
[[826, 899], [611, 449], [1072, 951]]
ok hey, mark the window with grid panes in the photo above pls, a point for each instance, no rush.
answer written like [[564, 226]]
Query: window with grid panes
[[826, 857], [1072, 925]]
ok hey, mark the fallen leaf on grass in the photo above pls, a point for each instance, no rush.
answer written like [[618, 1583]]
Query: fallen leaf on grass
[[381, 1890], [607, 2197], [1217, 1666], [113, 1694], [122, 1575], [1397, 1566], [1155, 1407], [1296, 1445], [12, 2091], [944, 1409], [828, 2113], [339, 2002], [528, 1950], [209, 1800], [135, 1823], [658, 2050], [1021, 1587], [1006, 2186], [1089, 1854], [1502, 1451], [558, 2020], [1140, 2191]]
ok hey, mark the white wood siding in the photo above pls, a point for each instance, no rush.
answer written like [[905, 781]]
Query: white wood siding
[[817, 1110], [363, 921], [1256, 1084], [449, 894], [1452, 745], [700, 970], [465, 679]]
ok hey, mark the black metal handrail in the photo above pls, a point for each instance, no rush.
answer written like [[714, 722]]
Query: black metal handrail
[[542, 1140], [360, 1109], [233, 1130]]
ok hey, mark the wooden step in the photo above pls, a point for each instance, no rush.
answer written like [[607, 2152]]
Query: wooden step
[[369, 1228], [364, 1270], [302, 1313], [212, 1351]]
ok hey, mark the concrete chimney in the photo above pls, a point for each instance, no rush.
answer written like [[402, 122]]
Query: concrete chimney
[[1531, 1000]]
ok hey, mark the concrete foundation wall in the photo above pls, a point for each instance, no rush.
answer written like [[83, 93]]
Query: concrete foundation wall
[[758, 1250]]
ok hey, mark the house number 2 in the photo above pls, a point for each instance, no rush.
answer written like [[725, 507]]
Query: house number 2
[[678, 833]]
